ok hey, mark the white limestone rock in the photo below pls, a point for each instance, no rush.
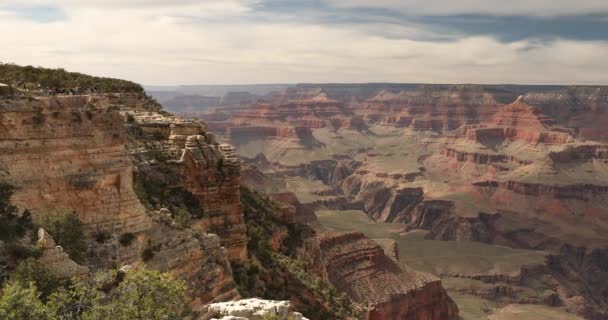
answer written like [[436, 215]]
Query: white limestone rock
[[249, 309]]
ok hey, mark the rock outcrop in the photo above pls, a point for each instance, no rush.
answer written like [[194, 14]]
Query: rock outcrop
[[250, 309], [77, 146], [358, 266], [56, 260], [211, 172]]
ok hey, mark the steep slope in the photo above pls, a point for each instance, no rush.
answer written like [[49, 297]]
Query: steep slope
[[81, 141]]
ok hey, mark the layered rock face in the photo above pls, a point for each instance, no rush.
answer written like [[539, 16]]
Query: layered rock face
[[358, 266], [211, 172], [519, 121], [432, 108], [69, 152], [197, 258]]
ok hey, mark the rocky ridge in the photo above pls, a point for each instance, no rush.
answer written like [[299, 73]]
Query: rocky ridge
[[358, 266]]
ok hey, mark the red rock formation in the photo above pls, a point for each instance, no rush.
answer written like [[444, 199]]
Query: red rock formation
[[303, 213], [519, 121], [71, 152], [481, 158], [358, 266], [434, 108], [68, 152], [212, 173]]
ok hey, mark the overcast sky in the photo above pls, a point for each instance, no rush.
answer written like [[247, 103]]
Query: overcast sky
[[167, 42]]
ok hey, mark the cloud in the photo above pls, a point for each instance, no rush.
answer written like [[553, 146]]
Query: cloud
[[223, 42], [538, 8]]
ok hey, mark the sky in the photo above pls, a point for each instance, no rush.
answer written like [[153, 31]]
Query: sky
[[179, 42]]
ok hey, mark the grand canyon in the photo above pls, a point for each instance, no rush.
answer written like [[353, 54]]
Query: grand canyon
[[303, 160], [369, 201], [512, 176]]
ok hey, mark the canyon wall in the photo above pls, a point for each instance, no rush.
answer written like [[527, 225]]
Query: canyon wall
[[69, 153], [75, 153], [358, 266]]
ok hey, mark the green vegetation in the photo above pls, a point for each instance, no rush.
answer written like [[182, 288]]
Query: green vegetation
[[29, 77], [66, 229], [262, 222], [130, 118], [20, 302], [74, 302], [156, 190], [126, 239], [138, 294], [12, 226], [32, 271], [147, 295], [281, 274]]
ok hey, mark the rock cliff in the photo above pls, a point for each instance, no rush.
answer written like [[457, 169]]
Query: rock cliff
[[358, 266], [77, 145], [70, 152]]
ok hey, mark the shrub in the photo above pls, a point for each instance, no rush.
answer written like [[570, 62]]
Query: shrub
[[149, 252], [32, 271], [12, 226], [271, 316], [66, 229], [126, 239], [101, 236], [18, 251], [76, 302], [146, 295], [60, 78], [130, 118], [21, 301]]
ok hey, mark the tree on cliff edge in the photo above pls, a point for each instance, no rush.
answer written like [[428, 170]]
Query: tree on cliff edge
[[12, 225]]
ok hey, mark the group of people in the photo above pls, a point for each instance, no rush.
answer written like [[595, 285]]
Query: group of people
[[70, 91]]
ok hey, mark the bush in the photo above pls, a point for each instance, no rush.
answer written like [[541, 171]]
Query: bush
[[66, 229], [59, 78], [75, 302], [156, 190], [130, 118], [101, 236], [18, 251], [126, 239], [138, 294], [271, 316], [20, 302], [32, 271], [145, 295], [149, 252], [12, 226]]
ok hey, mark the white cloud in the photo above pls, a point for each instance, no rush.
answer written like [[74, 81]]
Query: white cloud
[[492, 7], [153, 46]]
